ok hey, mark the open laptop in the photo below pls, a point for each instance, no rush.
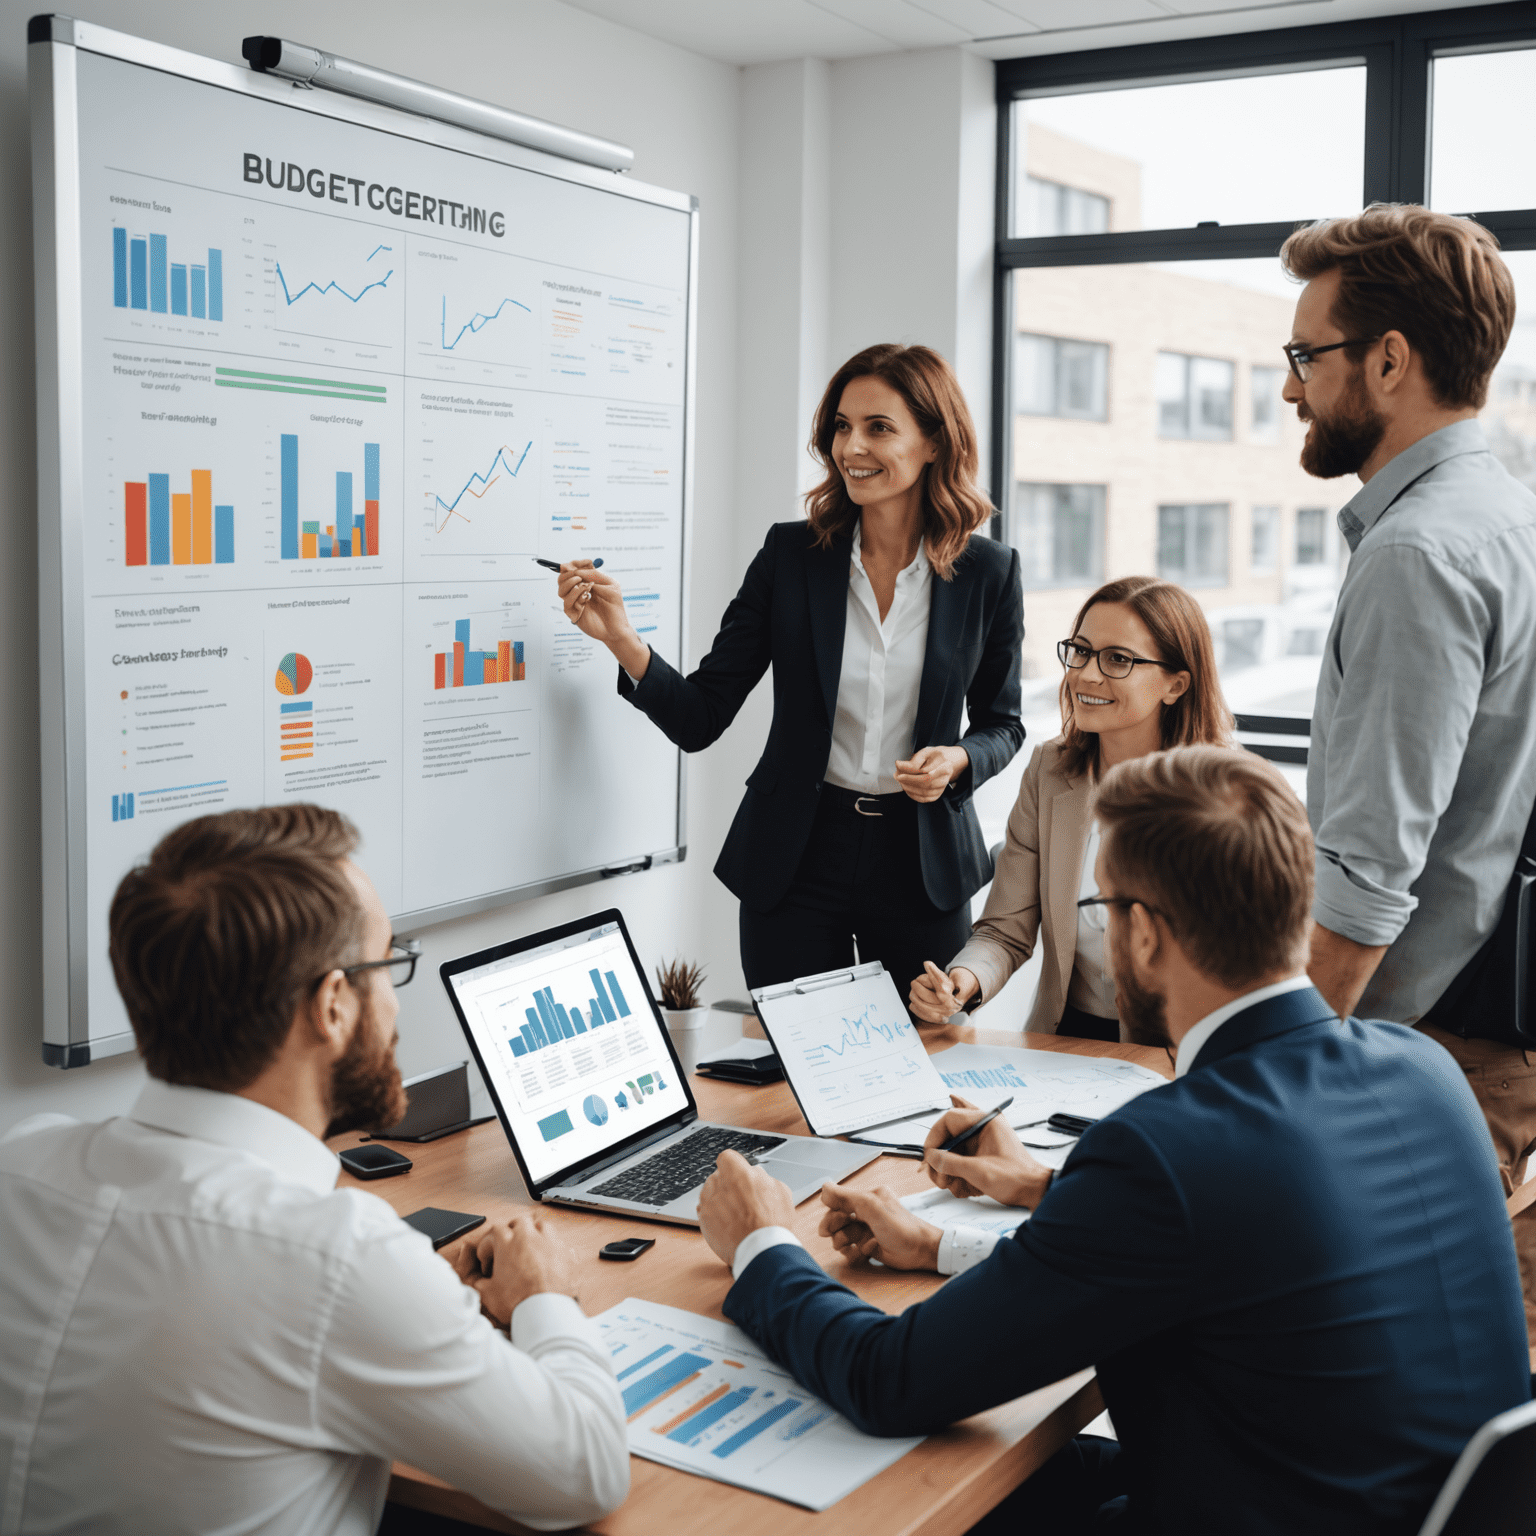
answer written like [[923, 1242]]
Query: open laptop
[[587, 1085]]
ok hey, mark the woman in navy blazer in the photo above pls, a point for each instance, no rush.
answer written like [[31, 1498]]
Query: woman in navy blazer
[[882, 618]]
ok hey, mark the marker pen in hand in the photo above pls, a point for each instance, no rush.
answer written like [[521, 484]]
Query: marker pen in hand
[[554, 565], [955, 1142]]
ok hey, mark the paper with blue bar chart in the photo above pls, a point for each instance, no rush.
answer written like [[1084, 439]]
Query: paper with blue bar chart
[[1041, 1083], [331, 419], [701, 1396]]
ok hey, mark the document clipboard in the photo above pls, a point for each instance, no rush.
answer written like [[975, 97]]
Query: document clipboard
[[852, 1055]]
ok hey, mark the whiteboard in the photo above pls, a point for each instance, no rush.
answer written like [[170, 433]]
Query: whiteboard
[[317, 380]]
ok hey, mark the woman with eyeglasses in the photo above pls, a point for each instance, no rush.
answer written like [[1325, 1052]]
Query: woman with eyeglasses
[[1140, 675]]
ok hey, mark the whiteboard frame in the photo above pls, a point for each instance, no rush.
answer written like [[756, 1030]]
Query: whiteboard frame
[[54, 45]]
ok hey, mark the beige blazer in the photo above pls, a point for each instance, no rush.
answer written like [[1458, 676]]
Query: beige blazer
[[1034, 891]]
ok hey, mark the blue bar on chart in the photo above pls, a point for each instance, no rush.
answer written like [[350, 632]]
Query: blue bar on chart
[[1005, 1076], [138, 274], [645, 1391], [691, 1430], [344, 539], [120, 268], [159, 519], [550, 1022], [609, 1013], [755, 1428], [178, 288], [158, 261], [290, 518], [215, 285], [223, 535], [618, 997], [199, 292], [122, 807], [640, 1365]]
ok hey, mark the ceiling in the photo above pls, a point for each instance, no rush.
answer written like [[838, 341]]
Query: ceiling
[[761, 31]]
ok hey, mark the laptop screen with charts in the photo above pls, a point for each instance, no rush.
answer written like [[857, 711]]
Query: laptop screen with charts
[[570, 1044]]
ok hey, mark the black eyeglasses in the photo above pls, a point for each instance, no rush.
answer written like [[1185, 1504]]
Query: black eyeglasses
[[401, 963], [1092, 908], [1113, 660], [1301, 358]]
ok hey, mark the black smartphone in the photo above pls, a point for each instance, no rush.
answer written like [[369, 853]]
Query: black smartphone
[[372, 1162], [626, 1248], [443, 1226]]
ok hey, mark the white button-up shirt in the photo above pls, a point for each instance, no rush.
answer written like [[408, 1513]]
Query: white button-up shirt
[[200, 1334], [881, 674]]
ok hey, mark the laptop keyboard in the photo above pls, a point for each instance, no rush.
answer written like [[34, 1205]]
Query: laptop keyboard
[[682, 1167]]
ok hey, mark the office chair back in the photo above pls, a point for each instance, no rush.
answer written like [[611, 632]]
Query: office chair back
[[1492, 1488]]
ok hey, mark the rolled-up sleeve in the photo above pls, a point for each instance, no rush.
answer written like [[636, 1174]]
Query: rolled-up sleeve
[[1409, 651]]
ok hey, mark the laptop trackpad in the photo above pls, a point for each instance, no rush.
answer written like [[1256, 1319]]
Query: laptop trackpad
[[802, 1152]]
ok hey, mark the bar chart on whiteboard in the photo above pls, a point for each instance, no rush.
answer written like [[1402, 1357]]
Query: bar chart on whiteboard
[[329, 425], [701, 1396]]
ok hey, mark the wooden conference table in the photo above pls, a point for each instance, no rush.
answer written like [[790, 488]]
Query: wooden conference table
[[939, 1489]]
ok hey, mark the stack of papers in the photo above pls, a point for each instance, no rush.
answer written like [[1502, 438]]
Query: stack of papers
[[1042, 1084], [701, 1396], [942, 1209]]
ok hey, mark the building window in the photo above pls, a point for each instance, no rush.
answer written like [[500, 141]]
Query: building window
[[1058, 531], [1194, 397], [1312, 536], [1267, 384], [1192, 544], [1049, 208], [1266, 539], [1053, 377]]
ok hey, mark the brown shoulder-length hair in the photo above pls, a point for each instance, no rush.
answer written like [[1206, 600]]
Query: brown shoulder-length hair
[[1199, 717], [953, 506], [1436, 278]]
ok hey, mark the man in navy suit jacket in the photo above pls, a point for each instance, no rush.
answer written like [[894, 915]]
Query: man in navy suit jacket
[[1291, 1266]]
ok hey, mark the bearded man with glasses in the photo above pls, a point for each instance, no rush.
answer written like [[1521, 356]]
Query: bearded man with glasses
[[198, 1330], [1422, 770]]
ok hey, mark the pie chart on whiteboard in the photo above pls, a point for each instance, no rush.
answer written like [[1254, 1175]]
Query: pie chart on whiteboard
[[294, 674], [595, 1109]]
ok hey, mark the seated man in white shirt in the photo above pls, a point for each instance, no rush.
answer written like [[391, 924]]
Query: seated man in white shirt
[[198, 1331]]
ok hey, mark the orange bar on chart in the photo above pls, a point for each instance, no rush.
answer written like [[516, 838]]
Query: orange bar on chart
[[357, 539], [310, 546], [698, 1407], [202, 517], [503, 661], [181, 530], [439, 671], [371, 523], [488, 669], [458, 663]]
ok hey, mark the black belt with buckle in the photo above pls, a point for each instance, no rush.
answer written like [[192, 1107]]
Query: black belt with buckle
[[865, 805]]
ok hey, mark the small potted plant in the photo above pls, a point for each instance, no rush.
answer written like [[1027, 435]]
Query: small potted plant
[[679, 984]]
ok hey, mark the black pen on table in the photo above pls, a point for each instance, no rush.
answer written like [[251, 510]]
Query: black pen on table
[[986, 1119], [554, 565]]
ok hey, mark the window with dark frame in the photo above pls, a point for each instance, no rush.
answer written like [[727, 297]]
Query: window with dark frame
[[1049, 233], [1058, 377], [1059, 534]]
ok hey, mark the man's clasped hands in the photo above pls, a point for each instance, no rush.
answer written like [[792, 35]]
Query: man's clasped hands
[[741, 1198]]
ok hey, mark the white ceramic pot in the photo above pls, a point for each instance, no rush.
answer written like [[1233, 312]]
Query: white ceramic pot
[[686, 1027]]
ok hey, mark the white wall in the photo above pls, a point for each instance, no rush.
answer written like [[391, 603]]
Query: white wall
[[679, 112]]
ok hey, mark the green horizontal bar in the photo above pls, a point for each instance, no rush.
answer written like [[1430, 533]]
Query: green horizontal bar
[[289, 389], [291, 378]]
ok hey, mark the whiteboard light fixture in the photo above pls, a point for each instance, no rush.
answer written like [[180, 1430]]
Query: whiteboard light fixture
[[329, 72]]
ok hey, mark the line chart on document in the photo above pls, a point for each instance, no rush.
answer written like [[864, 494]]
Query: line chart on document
[[507, 461], [858, 1057]]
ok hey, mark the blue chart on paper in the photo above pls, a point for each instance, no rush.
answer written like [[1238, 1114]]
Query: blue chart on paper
[[595, 1109], [986, 1077]]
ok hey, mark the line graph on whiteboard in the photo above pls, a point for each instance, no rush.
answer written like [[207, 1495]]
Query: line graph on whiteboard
[[506, 461]]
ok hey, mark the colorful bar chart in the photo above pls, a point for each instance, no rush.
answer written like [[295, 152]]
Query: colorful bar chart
[[464, 667], [550, 1022], [350, 534], [161, 527], [144, 277]]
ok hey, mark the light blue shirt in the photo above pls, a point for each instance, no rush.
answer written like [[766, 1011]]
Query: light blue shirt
[[1422, 770]]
